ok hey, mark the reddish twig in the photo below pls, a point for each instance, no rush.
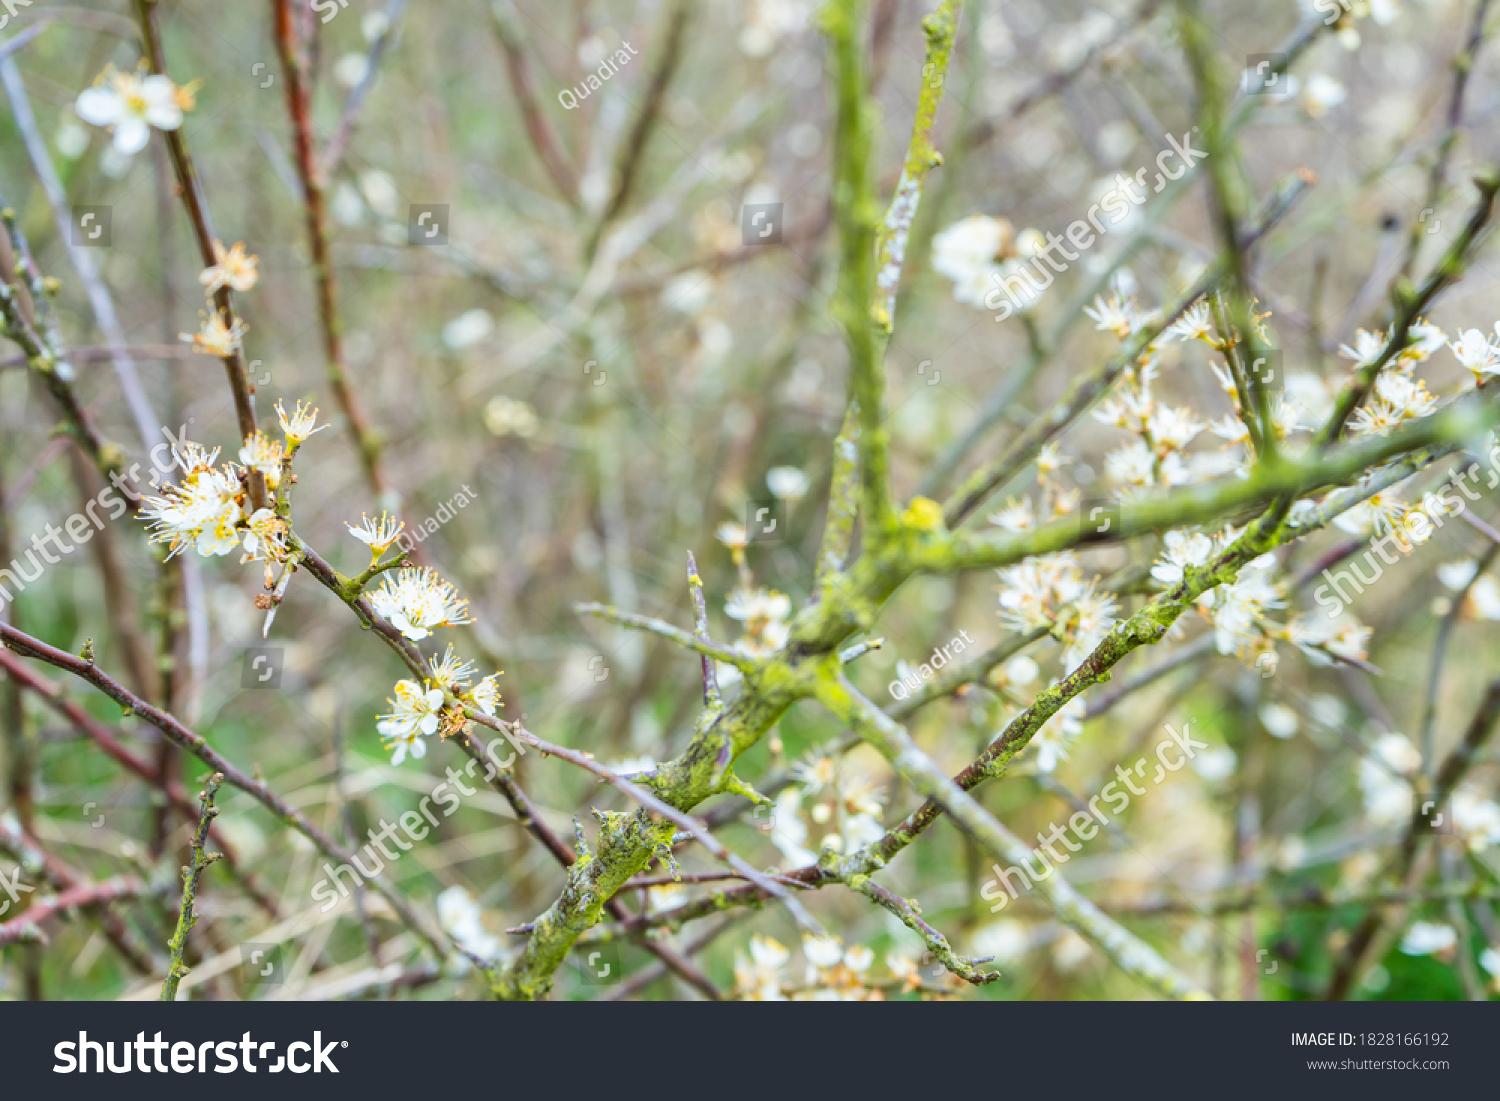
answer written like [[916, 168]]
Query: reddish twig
[[518, 72], [191, 190], [100, 735], [22, 844], [299, 108], [29, 925], [194, 743]]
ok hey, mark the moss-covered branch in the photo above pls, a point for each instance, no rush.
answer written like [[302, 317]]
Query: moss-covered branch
[[940, 27], [907, 912], [978, 487], [850, 595], [628, 842], [858, 220], [1128, 952], [199, 858]]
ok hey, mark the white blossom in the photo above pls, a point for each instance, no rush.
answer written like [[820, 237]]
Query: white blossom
[[130, 104]]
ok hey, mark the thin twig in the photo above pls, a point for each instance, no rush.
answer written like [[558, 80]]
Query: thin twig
[[192, 874], [190, 189], [195, 744], [299, 110]]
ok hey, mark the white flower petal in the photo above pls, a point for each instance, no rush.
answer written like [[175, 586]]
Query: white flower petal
[[99, 106], [131, 136]]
